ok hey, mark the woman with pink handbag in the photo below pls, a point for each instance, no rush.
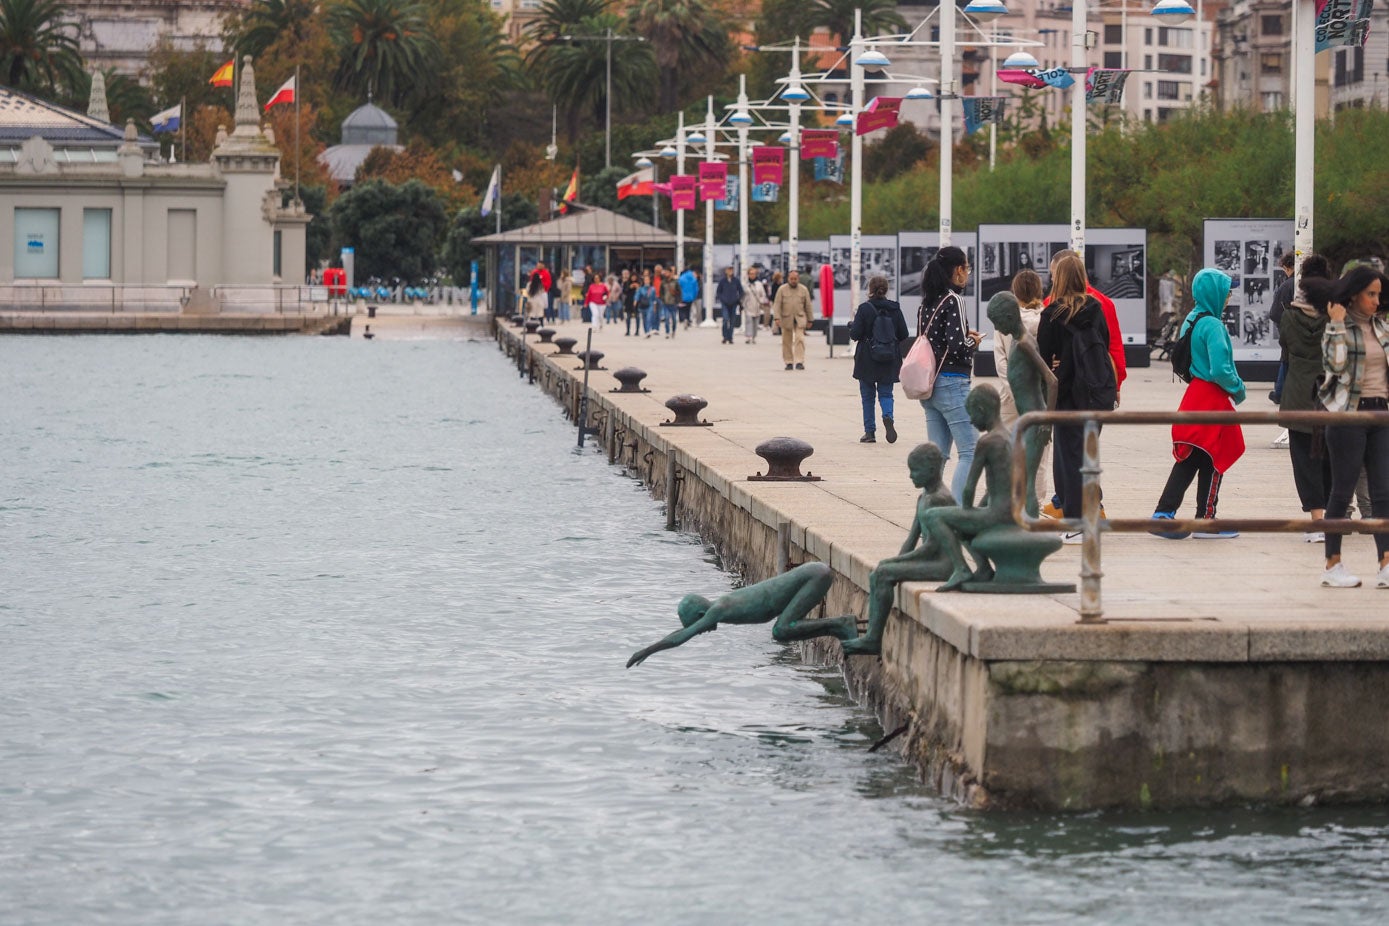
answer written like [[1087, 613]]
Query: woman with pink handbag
[[938, 368]]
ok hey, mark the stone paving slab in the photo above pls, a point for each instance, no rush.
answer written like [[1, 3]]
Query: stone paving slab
[[1253, 598]]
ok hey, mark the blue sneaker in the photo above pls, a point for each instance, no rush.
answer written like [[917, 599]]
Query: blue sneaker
[[1216, 535], [1170, 535]]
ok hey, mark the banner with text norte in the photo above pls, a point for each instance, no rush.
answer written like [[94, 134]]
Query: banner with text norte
[[729, 203], [766, 192], [981, 111], [1342, 22], [1105, 85], [712, 179], [767, 161], [831, 169]]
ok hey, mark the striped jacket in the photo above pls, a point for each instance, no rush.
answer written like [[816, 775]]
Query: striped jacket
[[1343, 358]]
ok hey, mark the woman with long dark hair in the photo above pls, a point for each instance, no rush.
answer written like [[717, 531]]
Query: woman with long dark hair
[[942, 322], [1355, 357], [1300, 329], [1072, 315]]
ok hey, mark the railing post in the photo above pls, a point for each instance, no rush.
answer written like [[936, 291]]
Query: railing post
[[1091, 610]]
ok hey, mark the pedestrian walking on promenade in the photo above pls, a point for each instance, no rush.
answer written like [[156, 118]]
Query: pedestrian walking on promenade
[[645, 301], [631, 315], [755, 302], [1205, 452], [671, 296], [792, 312], [596, 301], [689, 292], [942, 322], [1355, 355], [879, 329], [1282, 298], [1074, 341], [1300, 328], [729, 295], [776, 283]]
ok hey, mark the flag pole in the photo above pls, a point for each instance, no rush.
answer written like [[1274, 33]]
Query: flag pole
[[499, 198], [183, 127], [297, 146]]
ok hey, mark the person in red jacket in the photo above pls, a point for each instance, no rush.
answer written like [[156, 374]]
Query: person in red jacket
[[1116, 353]]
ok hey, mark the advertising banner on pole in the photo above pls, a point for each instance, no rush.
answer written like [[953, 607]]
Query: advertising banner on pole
[[1248, 250], [713, 179], [682, 192], [767, 164], [882, 113], [729, 203], [819, 143]]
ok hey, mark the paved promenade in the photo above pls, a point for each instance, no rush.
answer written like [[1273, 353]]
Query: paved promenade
[[1256, 598]]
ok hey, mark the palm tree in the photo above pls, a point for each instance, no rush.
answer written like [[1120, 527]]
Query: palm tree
[[687, 38], [879, 16], [384, 46], [37, 49], [266, 21]]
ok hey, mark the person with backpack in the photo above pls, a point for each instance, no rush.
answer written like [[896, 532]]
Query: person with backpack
[[941, 320], [1300, 326], [879, 328], [1073, 340], [1204, 452], [645, 301]]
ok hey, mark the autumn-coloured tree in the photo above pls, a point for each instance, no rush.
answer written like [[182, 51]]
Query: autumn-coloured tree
[[417, 162]]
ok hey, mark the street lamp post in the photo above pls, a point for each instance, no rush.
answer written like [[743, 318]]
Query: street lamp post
[[1079, 47], [1304, 127], [609, 37], [710, 131], [741, 118]]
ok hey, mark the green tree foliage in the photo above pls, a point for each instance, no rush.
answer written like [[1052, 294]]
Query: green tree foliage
[[396, 230], [175, 75], [688, 37], [385, 47], [895, 152], [470, 223], [38, 52], [573, 74], [266, 22], [879, 17], [318, 243], [467, 97]]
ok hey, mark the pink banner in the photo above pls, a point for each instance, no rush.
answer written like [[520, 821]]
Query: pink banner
[[767, 164], [1022, 78], [819, 143], [682, 192], [713, 179], [882, 113]]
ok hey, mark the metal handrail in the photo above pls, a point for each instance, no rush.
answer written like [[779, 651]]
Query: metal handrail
[[1090, 524]]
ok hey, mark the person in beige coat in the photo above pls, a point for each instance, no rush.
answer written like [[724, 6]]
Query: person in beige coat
[[792, 312]]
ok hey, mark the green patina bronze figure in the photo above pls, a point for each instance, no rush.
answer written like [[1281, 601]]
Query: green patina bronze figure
[[785, 599], [920, 559], [1032, 384], [1007, 558], [953, 528]]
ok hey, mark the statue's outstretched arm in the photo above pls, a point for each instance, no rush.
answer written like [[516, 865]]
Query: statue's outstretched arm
[[683, 635]]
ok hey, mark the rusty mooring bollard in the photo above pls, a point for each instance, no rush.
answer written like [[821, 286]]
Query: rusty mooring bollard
[[532, 326], [591, 359], [687, 408], [545, 334], [630, 378], [784, 456], [518, 319], [566, 346]]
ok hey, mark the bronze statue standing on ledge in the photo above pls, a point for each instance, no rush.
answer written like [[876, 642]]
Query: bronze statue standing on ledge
[[786, 599], [1033, 385]]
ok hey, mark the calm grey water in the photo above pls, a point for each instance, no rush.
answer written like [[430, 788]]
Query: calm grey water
[[329, 631]]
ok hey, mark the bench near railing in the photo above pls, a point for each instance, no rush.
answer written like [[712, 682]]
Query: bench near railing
[[1092, 527]]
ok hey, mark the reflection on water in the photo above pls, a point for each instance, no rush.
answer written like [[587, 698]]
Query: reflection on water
[[318, 630]]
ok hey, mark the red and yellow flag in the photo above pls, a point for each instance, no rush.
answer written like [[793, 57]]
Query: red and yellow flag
[[571, 192], [223, 77]]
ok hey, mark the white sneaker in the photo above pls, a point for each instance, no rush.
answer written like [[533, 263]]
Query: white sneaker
[[1314, 537], [1382, 580], [1338, 576], [1073, 538]]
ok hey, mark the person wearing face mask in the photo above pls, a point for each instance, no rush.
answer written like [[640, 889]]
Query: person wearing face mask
[[942, 322], [1355, 358]]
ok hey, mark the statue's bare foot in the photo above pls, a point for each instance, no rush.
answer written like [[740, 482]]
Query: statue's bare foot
[[863, 646], [983, 574], [957, 578]]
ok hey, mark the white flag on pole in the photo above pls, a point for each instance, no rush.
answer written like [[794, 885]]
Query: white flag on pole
[[494, 192]]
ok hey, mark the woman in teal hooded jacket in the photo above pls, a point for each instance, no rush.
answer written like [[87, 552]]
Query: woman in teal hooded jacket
[[1204, 452]]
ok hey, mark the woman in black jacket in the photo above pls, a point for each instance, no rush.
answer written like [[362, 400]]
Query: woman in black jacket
[[1071, 310], [876, 374]]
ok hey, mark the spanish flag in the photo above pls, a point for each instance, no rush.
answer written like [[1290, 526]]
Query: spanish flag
[[224, 75], [571, 192]]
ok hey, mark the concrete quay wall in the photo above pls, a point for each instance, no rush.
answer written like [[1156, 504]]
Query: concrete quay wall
[[1173, 713], [60, 322]]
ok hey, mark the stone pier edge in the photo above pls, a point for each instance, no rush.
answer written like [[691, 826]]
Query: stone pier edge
[[1006, 733]]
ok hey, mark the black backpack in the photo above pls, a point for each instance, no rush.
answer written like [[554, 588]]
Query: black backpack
[[883, 346], [1181, 353], [1095, 386]]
